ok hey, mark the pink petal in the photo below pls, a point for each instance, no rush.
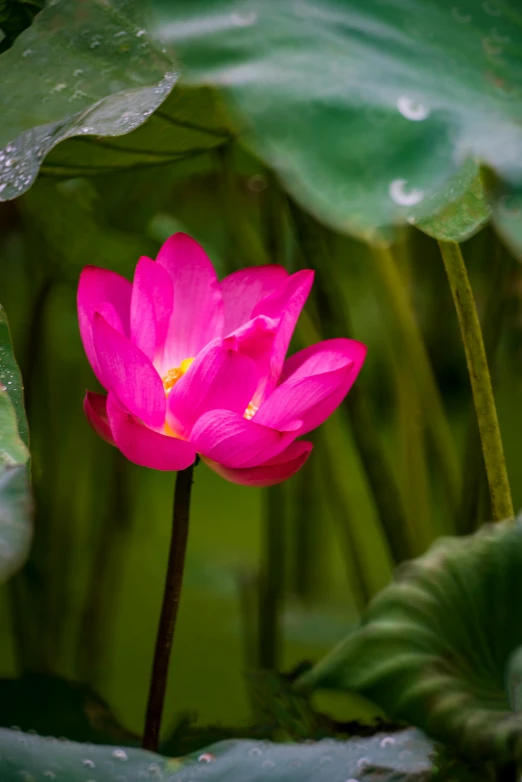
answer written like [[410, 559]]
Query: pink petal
[[273, 471], [197, 317], [285, 305], [144, 446], [129, 374], [95, 408], [315, 381], [256, 339], [220, 377], [110, 313], [234, 441], [151, 306], [243, 289], [97, 286]]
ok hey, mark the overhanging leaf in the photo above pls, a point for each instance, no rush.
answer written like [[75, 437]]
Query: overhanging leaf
[[15, 495], [80, 69], [466, 212], [403, 757], [366, 111], [441, 647], [188, 124]]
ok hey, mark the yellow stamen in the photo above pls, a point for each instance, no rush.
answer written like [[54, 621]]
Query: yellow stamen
[[251, 411], [173, 375]]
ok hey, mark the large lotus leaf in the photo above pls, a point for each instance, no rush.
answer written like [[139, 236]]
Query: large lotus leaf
[[403, 757], [368, 110], [81, 68], [189, 123], [15, 495], [466, 211], [442, 646]]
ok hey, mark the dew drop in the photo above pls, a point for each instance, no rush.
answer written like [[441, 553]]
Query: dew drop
[[244, 19], [78, 71], [459, 16], [268, 764], [412, 109], [89, 763], [120, 754], [207, 757], [140, 33], [387, 741], [363, 762], [154, 770], [402, 196], [254, 752], [27, 53]]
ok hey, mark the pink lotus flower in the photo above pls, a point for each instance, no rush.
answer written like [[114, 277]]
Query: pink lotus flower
[[197, 366]]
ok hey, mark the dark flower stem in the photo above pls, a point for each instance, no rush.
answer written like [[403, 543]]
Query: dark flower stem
[[169, 609], [501, 502]]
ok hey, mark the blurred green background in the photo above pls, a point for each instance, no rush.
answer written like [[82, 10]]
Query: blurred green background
[[86, 605]]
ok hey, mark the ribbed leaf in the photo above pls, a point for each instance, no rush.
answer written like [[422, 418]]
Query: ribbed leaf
[[441, 648]]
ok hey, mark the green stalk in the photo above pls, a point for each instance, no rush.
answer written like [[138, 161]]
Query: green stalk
[[410, 340], [501, 502], [475, 493]]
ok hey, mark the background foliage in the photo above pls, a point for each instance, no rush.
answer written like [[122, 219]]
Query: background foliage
[[284, 133]]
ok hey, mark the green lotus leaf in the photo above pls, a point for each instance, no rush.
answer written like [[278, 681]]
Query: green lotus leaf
[[80, 69], [15, 493], [403, 757], [369, 112], [442, 647]]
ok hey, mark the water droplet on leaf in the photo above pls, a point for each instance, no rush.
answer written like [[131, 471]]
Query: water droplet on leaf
[[403, 197], [412, 109]]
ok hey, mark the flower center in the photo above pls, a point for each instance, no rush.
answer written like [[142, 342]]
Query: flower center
[[173, 375]]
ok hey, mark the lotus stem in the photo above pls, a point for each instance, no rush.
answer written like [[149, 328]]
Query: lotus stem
[[501, 502], [272, 580], [408, 333], [169, 609]]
